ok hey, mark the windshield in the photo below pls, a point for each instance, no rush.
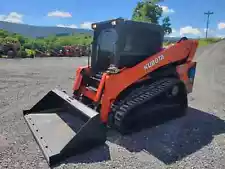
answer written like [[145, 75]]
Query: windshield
[[104, 48], [106, 40]]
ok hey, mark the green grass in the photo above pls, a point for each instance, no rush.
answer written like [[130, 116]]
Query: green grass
[[205, 42], [202, 42]]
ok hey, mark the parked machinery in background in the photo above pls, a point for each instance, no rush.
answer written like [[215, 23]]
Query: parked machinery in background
[[10, 49]]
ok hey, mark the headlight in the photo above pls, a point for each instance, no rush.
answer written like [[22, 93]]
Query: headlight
[[113, 22], [94, 26]]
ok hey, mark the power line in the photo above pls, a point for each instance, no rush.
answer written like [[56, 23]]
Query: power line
[[207, 23]]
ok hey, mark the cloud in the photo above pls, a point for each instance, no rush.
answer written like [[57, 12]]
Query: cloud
[[13, 17], [221, 25], [210, 31], [86, 25], [174, 33], [220, 36], [60, 14], [189, 30], [67, 26], [166, 9], [194, 32]]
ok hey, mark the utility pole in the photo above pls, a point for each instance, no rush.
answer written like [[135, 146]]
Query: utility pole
[[207, 23]]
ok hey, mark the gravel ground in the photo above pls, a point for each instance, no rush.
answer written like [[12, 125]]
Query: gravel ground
[[194, 141]]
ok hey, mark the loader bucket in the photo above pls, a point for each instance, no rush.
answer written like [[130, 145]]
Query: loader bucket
[[64, 127]]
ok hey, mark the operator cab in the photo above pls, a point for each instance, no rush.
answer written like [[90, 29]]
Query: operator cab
[[124, 43]]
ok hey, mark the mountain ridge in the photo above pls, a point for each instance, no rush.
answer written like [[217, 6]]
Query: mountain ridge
[[34, 31]]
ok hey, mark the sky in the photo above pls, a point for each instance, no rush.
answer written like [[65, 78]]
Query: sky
[[187, 17]]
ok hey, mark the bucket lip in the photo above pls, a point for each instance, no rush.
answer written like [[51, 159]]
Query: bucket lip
[[70, 100]]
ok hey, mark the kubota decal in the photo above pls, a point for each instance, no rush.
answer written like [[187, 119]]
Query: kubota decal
[[153, 62]]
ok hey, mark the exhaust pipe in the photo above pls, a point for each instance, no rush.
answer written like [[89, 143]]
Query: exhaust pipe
[[64, 127]]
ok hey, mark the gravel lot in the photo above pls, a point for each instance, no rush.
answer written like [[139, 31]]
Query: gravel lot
[[195, 141]]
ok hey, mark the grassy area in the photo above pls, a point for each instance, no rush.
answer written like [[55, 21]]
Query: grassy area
[[202, 42], [205, 42]]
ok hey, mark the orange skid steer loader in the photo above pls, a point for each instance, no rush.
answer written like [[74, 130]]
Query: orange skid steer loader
[[131, 83]]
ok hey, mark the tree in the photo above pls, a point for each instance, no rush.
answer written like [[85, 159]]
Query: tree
[[166, 25], [150, 11], [20, 38], [3, 33], [39, 44], [1, 40], [28, 44], [10, 39]]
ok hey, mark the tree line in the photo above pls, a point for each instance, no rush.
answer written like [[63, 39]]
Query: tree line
[[46, 43]]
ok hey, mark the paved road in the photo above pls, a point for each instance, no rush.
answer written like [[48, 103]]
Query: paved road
[[195, 141]]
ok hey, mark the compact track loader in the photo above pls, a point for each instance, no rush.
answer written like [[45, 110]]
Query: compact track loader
[[130, 83]]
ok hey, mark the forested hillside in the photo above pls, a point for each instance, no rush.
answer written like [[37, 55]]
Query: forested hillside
[[39, 31]]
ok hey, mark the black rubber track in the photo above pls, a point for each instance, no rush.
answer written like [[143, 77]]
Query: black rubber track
[[150, 105]]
